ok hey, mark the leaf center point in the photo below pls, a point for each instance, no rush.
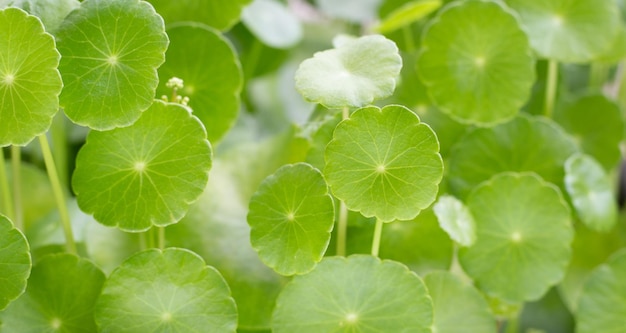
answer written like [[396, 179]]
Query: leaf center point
[[56, 323], [140, 166], [479, 61], [166, 316], [291, 216], [557, 20], [352, 317], [516, 237], [112, 60], [8, 79], [381, 169]]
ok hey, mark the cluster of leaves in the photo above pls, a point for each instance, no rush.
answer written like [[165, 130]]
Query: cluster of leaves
[[453, 169]]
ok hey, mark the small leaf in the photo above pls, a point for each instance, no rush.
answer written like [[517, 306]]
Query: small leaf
[[523, 144], [384, 163], [356, 11], [523, 237], [165, 291], [591, 191], [355, 294], [408, 13], [291, 217], [211, 74], [219, 14], [272, 23], [456, 219], [477, 70], [146, 174], [458, 307], [30, 83], [15, 262], [355, 73], [110, 54], [602, 306], [569, 31], [60, 297]]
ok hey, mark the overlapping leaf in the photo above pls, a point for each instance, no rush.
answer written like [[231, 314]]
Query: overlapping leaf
[[456, 219], [219, 14], [15, 262], [272, 23]]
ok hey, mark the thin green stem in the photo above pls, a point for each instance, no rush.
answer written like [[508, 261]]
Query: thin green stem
[[143, 240], [512, 325], [58, 133], [4, 185], [598, 75], [252, 60], [58, 193], [407, 34], [161, 232], [378, 234], [16, 162], [342, 229], [551, 85]]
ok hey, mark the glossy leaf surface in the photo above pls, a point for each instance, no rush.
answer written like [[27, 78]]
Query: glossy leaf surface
[[15, 262], [146, 174], [456, 219], [384, 163]]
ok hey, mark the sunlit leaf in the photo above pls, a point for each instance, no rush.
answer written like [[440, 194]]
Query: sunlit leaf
[[384, 163], [407, 14], [456, 219], [356, 11], [219, 14], [15, 262], [146, 174], [272, 23], [165, 291]]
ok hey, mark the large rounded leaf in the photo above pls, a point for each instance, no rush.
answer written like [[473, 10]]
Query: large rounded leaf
[[384, 163], [591, 191], [14, 262], [30, 83], [569, 30], [219, 14], [458, 307], [355, 73], [60, 297], [523, 144], [355, 294], [523, 237], [146, 174], [476, 62], [211, 74], [291, 216], [165, 291], [110, 54], [602, 305]]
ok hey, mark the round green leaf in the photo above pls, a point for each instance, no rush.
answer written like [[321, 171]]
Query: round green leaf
[[569, 31], [219, 14], [458, 307], [272, 23], [407, 14], [384, 163], [145, 174], [456, 219], [355, 73], [165, 291], [591, 191], [523, 144], [523, 237], [60, 297], [477, 63], [30, 83], [110, 54], [211, 74], [355, 294], [602, 306], [597, 125], [291, 217], [15, 262]]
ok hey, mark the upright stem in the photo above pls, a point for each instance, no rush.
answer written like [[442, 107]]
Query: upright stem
[[161, 232], [4, 186], [378, 233], [59, 142], [143, 241], [16, 161], [512, 325], [551, 84], [342, 224], [253, 59], [58, 193], [407, 33]]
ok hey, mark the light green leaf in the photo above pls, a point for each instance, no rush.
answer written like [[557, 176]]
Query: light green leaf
[[524, 237], [356, 73], [291, 217], [569, 31], [211, 74], [407, 14], [477, 63], [355, 294], [60, 297], [30, 83], [272, 23], [523, 144], [165, 291], [591, 191], [144, 175], [384, 163], [110, 54], [51, 12], [597, 125], [602, 306], [320, 138], [219, 14], [458, 307], [15, 262], [456, 219], [357, 11]]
